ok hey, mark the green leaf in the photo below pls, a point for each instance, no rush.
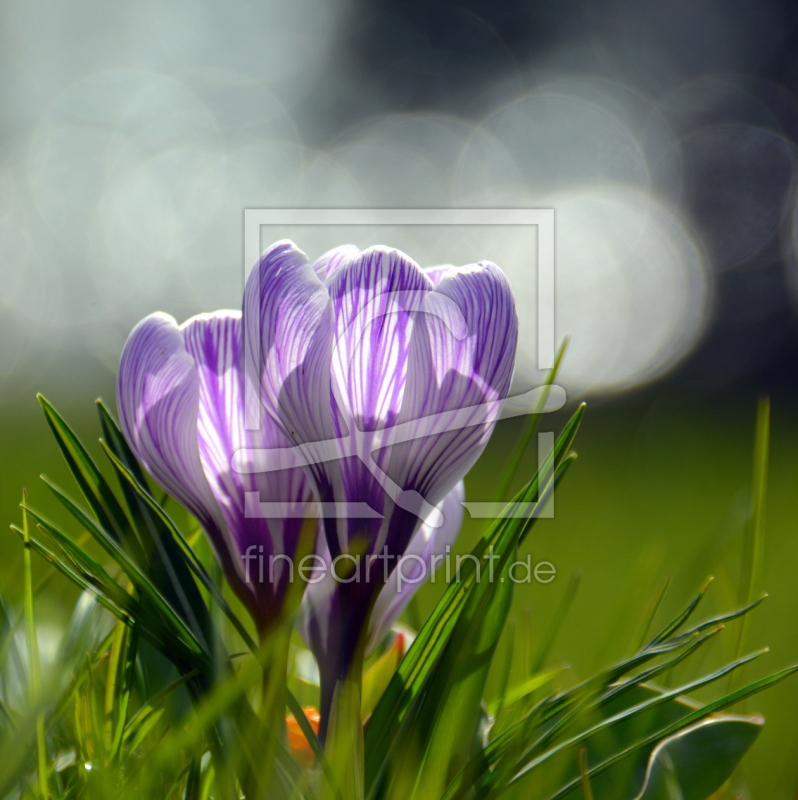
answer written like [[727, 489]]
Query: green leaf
[[227, 695], [34, 663], [699, 714], [522, 690], [80, 567], [148, 709], [754, 541], [694, 763], [70, 568], [451, 706], [674, 625], [118, 444], [446, 719], [556, 623], [533, 419], [554, 714], [296, 709], [533, 757], [377, 677]]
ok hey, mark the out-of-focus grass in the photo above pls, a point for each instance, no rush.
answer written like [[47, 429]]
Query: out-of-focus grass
[[660, 489]]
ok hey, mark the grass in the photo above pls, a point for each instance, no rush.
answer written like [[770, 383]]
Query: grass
[[658, 500]]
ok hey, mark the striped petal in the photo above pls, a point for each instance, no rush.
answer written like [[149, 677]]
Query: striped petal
[[158, 403], [320, 618], [437, 274], [318, 621], [326, 264], [375, 296], [181, 401], [253, 538], [288, 336], [457, 379], [428, 547]]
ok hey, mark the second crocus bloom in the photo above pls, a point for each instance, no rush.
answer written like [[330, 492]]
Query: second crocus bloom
[[182, 405]]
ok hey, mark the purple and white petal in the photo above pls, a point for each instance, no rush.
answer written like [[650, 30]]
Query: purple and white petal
[[374, 381], [437, 274], [288, 336], [315, 622], [374, 298], [456, 383], [333, 259], [215, 343], [427, 549], [158, 404], [181, 401]]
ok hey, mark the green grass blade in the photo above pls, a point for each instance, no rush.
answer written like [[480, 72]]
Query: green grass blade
[[648, 619], [532, 424], [755, 530], [626, 714], [141, 581], [133, 725], [94, 577], [296, 709], [617, 690], [547, 642], [502, 536], [167, 566], [34, 663], [697, 715], [112, 434], [450, 708], [451, 703], [95, 488], [191, 560], [720, 620], [674, 625], [592, 693], [754, 542], [67, 566]]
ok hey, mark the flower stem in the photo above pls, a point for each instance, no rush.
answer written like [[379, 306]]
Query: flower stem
[[344, 743], [268, 734], [275, 647]]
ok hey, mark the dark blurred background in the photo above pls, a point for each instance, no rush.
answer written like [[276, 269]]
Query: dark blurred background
[[663, 134]]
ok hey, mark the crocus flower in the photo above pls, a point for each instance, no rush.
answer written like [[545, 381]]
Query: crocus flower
[[182, 404], [388, 379], [320, 622]]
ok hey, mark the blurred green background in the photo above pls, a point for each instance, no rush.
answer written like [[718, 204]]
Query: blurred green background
[[660, 490]]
